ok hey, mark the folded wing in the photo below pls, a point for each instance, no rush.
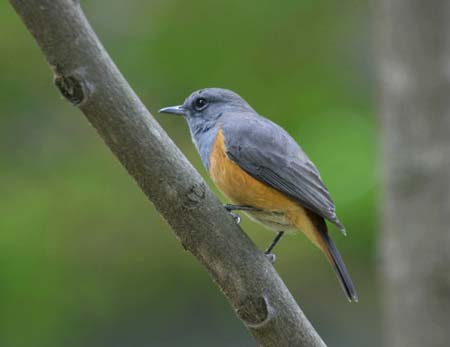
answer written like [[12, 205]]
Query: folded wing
[[273, 157]]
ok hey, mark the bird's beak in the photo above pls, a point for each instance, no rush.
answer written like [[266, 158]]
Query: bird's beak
[[178, 110]]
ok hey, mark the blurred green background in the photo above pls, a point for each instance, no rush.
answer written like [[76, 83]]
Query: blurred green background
[[85, 260]]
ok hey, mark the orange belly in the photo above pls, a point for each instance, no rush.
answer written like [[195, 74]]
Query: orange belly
[[279, 211]]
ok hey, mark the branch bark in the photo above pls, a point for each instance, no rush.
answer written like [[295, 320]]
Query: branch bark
[[414, 49], [87, 77]]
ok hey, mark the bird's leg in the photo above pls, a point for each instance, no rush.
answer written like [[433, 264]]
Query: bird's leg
[[230, 208], [272, 257]]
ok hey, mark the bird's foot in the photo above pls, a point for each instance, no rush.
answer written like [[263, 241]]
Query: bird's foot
[[271, 257], [268, 253], [235, 216], [230, 208]]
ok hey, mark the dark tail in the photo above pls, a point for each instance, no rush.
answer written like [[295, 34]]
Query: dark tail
[[338, 264], [327, 245]]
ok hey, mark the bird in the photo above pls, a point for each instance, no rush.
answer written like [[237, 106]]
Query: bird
[[262, 170]]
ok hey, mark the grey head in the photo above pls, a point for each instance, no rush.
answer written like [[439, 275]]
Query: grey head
[[205, 106], [204, 111]]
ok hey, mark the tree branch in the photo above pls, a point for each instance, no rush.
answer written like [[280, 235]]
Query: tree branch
[[87, 77]]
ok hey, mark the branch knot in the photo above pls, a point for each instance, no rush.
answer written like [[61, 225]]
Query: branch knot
[[71, 88], [195, 195], [255, 311]]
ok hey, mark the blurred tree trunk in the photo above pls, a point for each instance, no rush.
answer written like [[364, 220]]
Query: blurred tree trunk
[[414, 61]]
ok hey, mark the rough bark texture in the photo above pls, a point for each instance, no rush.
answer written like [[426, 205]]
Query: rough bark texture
[[86, 76], [414, 46]]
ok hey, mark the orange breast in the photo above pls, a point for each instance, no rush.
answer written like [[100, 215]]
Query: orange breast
[[239, 186], [243, 189]]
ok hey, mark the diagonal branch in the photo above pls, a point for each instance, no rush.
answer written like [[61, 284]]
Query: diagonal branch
[[87, 77]]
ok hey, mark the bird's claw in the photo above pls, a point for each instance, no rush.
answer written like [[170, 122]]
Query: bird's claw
[[271, 257], [236, 217]]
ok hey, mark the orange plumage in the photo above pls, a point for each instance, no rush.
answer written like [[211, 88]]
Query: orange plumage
[[279, 212]]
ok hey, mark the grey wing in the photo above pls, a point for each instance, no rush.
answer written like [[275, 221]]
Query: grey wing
[[268, 153]]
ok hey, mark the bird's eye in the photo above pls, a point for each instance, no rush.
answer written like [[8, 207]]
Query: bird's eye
[[200, 104]]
